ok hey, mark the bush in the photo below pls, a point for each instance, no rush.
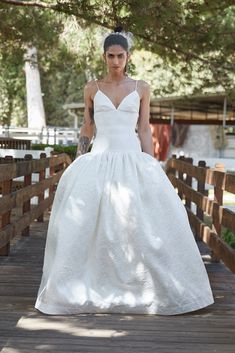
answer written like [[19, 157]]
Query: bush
[[70, 150], [228, 237]]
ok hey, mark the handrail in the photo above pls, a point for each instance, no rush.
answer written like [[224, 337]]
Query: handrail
[[8, 142], [180, 171], [20, 198]]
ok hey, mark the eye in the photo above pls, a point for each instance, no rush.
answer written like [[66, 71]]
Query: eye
[[110, 55], [120, 56]]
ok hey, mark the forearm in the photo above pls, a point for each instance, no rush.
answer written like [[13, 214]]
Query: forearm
[[146, 141], [84, 140]]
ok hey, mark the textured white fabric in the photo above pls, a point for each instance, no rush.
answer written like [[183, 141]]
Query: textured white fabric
[[119, 239]]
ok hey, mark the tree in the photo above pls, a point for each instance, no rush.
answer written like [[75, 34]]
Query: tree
[[18, 28], [12, 83], [197, 33], [181, 47], [67, 59], [35, 106]]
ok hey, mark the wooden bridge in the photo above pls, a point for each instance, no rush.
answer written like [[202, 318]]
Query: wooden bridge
[[22, 238]]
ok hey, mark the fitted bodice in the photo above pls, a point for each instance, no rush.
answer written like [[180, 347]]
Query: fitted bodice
[[116, 126]]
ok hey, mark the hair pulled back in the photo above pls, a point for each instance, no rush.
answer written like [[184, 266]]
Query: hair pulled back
[[116, 38]]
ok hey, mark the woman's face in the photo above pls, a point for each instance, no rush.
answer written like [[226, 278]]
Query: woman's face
[[116, 58]]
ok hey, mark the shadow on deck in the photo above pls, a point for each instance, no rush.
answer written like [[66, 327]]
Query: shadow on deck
[[24, 330]]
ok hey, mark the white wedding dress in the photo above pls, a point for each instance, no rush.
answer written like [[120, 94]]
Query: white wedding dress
[[119, 240]]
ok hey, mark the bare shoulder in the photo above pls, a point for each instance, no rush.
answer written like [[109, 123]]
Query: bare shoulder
[[143, 85], [90, 88], [144, 88]]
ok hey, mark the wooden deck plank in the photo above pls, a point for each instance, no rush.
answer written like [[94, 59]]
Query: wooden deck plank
[[25, 330]]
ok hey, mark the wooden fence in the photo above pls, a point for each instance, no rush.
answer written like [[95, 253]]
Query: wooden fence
[[16, 195], [180, 172], [11, 143]]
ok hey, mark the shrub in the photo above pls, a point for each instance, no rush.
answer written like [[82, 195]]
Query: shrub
[[70, 150], [228, 237]]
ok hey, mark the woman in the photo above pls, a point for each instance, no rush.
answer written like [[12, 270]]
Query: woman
[[119, 239]]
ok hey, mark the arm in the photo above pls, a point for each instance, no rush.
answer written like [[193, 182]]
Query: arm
[[88, 127], [144, 131]]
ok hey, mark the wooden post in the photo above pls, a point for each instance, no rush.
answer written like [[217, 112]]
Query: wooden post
[[52, 187], [218, 198], [26, 204], [172, 170], [188, 181], [42, 174], [6, 217], [202, 190], [181, 177], [168, 169], [52, 172]]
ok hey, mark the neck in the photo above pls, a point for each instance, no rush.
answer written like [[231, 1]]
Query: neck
[[117, 77]]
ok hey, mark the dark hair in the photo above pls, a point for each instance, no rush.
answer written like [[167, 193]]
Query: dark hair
[[115, 39]]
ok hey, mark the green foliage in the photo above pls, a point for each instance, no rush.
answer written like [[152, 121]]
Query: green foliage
[[228, 237], [68, 57], [18, 27], [65, 71], [70, 150], [12, 82], [179, 31], [181, 47]]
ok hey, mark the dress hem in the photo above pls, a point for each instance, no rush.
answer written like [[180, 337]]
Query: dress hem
[[58, 310]]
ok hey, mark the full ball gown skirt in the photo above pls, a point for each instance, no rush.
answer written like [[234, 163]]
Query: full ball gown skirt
[[119, 239]]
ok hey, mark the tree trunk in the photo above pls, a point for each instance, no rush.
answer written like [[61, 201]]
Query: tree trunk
[[35, 108]]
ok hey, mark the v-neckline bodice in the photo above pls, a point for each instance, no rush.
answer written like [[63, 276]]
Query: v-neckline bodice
[[116, 108], [123, 99]]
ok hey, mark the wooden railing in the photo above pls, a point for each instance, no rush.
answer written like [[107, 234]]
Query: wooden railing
[[11, 143], [16, 195], [53, 135], [180, 172]]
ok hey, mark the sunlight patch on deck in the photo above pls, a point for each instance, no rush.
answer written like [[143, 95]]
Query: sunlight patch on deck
[[37, 324]]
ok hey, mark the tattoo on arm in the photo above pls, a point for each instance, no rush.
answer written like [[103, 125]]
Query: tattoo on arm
[[84, 141], [83, 144]]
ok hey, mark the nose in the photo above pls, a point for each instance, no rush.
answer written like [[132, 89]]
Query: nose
[[115, 60]]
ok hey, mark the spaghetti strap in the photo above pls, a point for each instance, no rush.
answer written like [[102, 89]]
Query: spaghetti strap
[[96, 81], [136, 82]]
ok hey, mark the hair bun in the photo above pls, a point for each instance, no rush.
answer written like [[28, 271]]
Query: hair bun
[[118, 29]]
